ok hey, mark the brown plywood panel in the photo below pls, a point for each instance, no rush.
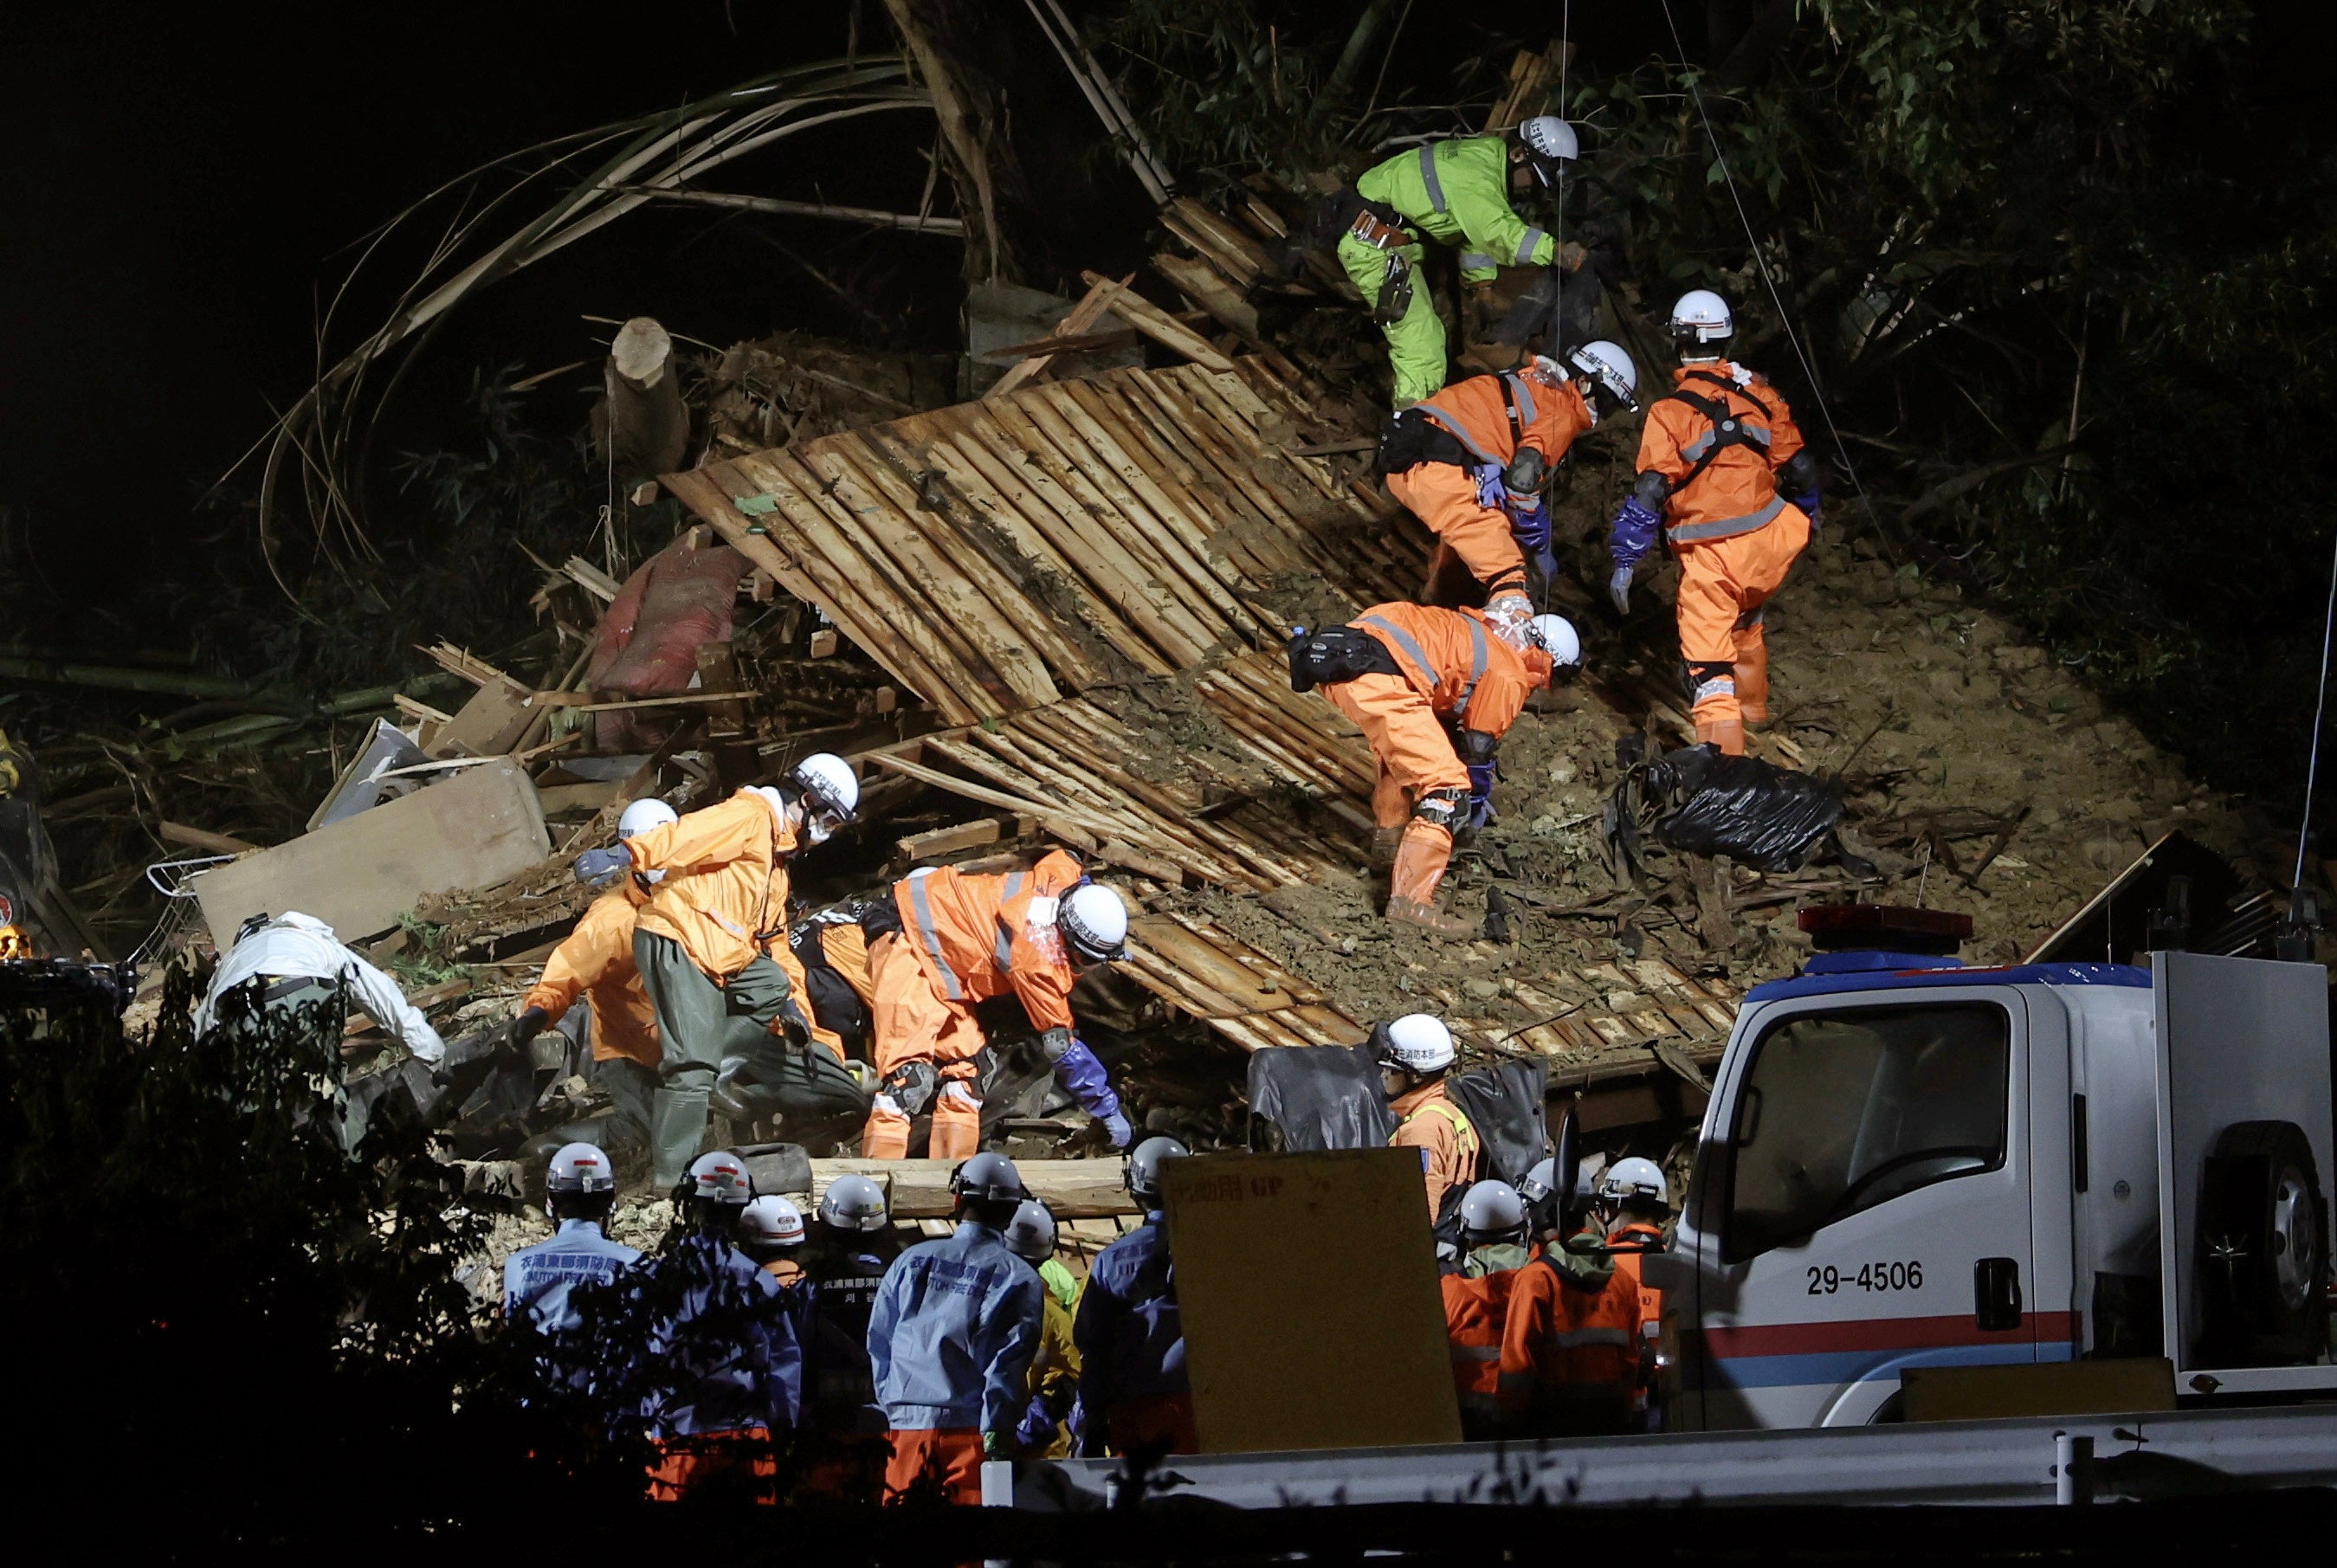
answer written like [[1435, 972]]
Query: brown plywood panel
[[1307, 1285], [359, 875]]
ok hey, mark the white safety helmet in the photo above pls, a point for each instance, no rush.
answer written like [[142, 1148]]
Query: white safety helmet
[[1548, 140], [853, 1202], [771, 1222], [580, 1168], [1635, 1183], [1031, 1234], [1608, 368], [1702, 317], [990, 1177], [1540, 1182], [721, 1178], [831, 793], [1095, 923], [1417, 1042], [1492, 1209], [646, 815], [1141, 1171], [1555, 636]]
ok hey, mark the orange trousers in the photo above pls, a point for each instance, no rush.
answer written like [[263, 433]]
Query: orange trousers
[[914, 1021], [730, 1464], [1155, 1421], [1444, 496], [1414, 759], [1724, 585], [951, 1455]]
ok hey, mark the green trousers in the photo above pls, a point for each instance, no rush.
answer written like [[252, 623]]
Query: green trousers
[[1415, 341], [700, 1022]]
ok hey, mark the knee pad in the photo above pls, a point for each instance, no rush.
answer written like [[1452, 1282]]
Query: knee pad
[[912, 1085], [1442, 807], [1696, 674], [1753, 617]]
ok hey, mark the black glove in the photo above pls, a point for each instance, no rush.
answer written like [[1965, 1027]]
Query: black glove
[[531, 1022]]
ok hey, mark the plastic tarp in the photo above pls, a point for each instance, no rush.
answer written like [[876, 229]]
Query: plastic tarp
[[648, 637], [1506, 1104], [1320, 1096], [1769, 818]]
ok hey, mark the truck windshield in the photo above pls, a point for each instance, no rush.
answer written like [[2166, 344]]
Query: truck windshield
[[1843, 1111]]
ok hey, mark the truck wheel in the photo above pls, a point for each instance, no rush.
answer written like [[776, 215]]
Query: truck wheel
[[2264, 1248]]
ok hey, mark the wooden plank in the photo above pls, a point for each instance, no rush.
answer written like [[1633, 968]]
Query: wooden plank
[[1200, 283], [1161, 327], [1045, 811], [1159, 476], [919, 1189], [360, 873], [1102, 295], [485, 726], [939, 841], [1242, 528], [556, 799]]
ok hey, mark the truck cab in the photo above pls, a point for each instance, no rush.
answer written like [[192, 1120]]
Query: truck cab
[[1907, 1162]]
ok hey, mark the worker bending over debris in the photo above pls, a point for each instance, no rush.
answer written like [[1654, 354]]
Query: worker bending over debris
[[293, 961], [1414, 1054], [1055, 1370], [1724, 475], [963, 940], [726, 1363], [595, 961], [1404, 672], [1129, 1332], [1569, 1360], [954, 1329], [1472, 463], [1477, 1300], [771, 1232], [1457, 192], [580, 1189], [711, 945]]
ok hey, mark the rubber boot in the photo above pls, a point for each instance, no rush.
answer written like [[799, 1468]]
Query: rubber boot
[[1729, 734], [1420, 862], [677, 1131], [1752, 673], [1383, 846]]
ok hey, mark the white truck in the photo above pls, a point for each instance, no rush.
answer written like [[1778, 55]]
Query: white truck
[[1908, 1164]]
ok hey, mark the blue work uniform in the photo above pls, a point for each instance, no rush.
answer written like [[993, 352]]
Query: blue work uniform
[[840, 1388], [1130, 1333], [728, 1356], [952, 1337], [538, 1278]]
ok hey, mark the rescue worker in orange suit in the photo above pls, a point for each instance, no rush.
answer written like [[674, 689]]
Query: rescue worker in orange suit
[[1634, 1206], [1725, 477], [1472, 463], [1477, 1301], [1130, 1329], [1434, 692], [1569, 1363], [710, 945], [1414, 1054], [951, 1338], [963, 940], [596, 962]]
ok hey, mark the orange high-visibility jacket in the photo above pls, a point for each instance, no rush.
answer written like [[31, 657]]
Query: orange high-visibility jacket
[[725, 895], [596, 961], [1492, 427], [981, 936], [1450, 658], [1428, 1121], [1560, 1343], [1476, 1312], [1651, 1302], [1737, 491]]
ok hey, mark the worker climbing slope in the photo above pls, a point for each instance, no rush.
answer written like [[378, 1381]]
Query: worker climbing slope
[[711, 945], [1403, 673], [1414, 1053], [1473, 460], [1130, 1331], [1726, 478], [595, 961], [963, 940], [1456, 192]]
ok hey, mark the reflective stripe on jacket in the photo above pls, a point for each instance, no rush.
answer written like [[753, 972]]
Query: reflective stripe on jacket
[[1564, 1343], [1429, 1121], [1737, 491], [596, 962], [977, 937], [1453, 660], [1474, 412], [725, 895], [952, 1333], [1476, 1311], [1457, 191]]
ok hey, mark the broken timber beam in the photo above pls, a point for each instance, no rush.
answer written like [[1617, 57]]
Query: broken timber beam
[[1102, 295], [1162, 327], [919, 1189]]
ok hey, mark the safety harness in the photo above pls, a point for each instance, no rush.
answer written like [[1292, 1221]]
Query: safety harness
[[1729, 428]]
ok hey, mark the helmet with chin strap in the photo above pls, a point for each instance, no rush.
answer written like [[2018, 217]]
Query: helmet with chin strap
[[1094, 922], [1548, 142], [1609, 369], [1701, 318]]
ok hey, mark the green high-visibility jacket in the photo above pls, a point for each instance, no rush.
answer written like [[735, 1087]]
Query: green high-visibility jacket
[[1458, 193]]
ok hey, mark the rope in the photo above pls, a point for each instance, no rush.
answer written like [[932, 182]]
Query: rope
[[2319, 705], [1558, 242], [1769, 280]]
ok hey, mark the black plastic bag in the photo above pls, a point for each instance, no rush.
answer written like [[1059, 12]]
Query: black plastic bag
[[1505, 1104], [1755, 812], [1320, 1096]]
